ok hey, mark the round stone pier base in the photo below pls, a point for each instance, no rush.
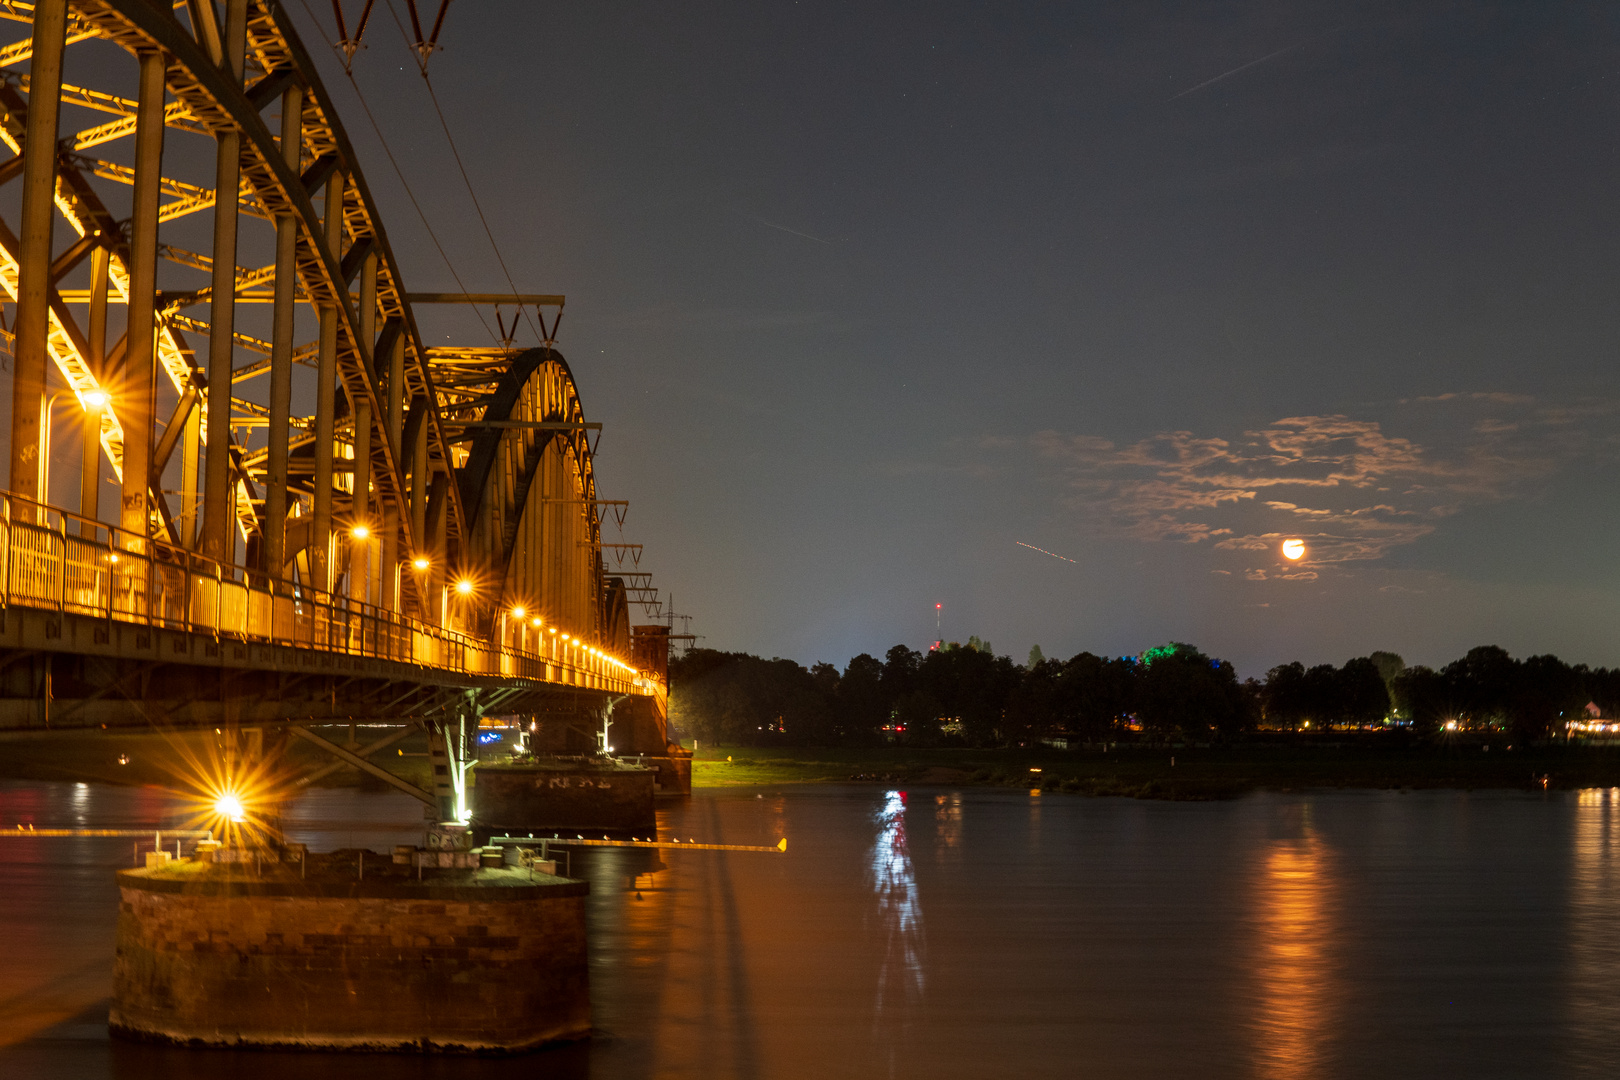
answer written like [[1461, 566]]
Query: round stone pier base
[[472, 961]]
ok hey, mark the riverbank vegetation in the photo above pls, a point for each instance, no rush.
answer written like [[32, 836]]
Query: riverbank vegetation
[[968, 697], [1286, 762]]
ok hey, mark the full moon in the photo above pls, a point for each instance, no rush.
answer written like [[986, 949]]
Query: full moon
[[1293, 549]]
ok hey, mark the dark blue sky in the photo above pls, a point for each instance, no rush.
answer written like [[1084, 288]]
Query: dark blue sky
[[867, 293]]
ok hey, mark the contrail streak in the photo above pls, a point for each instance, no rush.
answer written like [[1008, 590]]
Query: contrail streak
[[784, 228], [1234, 71], [1043, 551]]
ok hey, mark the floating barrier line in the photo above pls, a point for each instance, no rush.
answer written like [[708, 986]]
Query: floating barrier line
[[673, 845], [179, 834]]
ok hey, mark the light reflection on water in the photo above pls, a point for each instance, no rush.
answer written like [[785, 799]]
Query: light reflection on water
[[1299, 935], [1292, 969], [1594, 939], [948, 824], [900, 977]]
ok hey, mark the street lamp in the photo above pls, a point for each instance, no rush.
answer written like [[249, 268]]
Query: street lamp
[[94, 401]]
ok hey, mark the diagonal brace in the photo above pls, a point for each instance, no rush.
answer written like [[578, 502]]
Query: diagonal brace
[[365, 751], [363, 765]]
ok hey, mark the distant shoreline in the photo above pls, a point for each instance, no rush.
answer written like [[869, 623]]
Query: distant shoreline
[[1198, 773], [1133, 771]]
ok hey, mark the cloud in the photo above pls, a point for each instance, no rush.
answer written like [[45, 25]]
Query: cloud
[[1351, 488]]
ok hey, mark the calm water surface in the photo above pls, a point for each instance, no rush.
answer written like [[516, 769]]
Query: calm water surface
[[937, 933]]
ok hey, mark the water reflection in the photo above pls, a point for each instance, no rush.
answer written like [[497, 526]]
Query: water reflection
[[1292, 967], [900, 978], [1595, 927], [947, 823]]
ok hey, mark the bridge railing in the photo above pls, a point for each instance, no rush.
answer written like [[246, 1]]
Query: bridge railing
[[123, 578]]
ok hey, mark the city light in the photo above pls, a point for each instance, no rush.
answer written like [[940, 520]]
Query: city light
[[95, 399], [464, 586], [360, 532], [518, 612], [420, 563], [537, 624], [229, 807]]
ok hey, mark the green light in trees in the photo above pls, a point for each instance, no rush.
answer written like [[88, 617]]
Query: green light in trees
[[1157, 654]]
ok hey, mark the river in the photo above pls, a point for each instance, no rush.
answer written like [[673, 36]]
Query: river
[[932, 932]]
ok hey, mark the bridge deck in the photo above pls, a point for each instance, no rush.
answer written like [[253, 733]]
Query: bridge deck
[[97, 599]]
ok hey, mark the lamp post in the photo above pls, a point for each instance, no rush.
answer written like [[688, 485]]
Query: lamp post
[[94, 401]]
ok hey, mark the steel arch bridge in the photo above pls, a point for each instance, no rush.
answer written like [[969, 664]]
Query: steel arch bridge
[[317, 516]]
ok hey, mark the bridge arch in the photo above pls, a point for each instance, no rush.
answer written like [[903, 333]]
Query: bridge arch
[[528, 486]]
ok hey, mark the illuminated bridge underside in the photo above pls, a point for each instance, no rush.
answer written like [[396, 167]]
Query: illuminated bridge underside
[[421, 539]]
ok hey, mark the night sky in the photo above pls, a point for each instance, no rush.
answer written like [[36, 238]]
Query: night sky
[[867, 295]]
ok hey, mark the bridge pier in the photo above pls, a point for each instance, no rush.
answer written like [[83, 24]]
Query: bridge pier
[[346, 952]]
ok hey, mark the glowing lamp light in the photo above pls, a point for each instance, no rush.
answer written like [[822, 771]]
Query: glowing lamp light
[[553, 629], [518, 612], [1293, 550], [420, 563], [537, 624], [360, 532], [95, 399], [464, 586], [229, 807]]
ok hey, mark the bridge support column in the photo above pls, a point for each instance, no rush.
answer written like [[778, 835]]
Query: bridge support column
[[360, 548], [447, 753], [221, 341], [90, 433], [190, 443], [419, 480], [135, 399], [34, 263], [388, 600], [320, 537], [281, 346], [395, 392], [393, 429]]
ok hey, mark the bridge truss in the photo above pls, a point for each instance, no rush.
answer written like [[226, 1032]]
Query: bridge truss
[[209, 320]]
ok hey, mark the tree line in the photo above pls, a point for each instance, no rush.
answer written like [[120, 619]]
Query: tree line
[[967, 695]]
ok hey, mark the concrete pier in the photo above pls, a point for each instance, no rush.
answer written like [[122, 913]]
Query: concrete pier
[[531, 795], [327, 955]]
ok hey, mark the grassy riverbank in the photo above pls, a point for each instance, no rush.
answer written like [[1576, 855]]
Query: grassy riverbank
[[1182, 773]]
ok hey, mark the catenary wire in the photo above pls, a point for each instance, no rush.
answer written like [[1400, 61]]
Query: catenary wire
[[465, 179], [377, 129]]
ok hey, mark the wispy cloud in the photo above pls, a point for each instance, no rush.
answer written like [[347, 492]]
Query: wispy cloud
[[1349, 487]]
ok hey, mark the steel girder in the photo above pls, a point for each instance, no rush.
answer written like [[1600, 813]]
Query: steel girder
[[506, 421]]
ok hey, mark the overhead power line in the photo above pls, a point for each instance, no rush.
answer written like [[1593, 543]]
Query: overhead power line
[[399, 172], [456, 153]]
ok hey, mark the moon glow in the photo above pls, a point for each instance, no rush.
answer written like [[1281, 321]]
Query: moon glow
[[1293, 549]]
